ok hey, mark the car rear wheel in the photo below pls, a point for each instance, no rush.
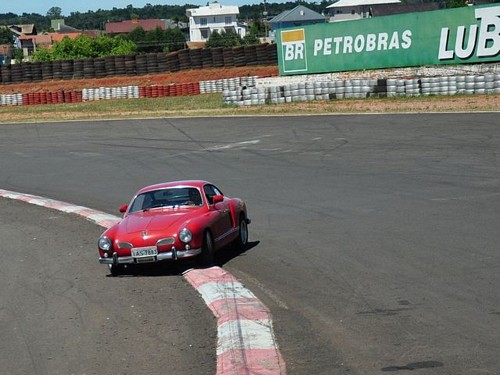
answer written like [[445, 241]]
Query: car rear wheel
[[207, 255], [242, 239]]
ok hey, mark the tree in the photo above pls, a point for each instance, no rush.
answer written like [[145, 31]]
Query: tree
[[5, 35], [137, 35], [84, 47], [257, 28], [18, 55], [125, 47], [42, 54], [157, 40], [215, 40], [175, 40], [456, 3], [250, 39], [224, 39], [54, 13]]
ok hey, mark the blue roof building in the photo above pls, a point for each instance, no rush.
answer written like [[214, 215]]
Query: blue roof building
[[298, 16]]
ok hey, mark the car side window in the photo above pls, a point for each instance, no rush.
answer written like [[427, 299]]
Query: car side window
[[210, 191], [217, 191], [139, 203]]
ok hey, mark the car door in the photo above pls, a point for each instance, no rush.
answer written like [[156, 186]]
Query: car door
[[222, 222]]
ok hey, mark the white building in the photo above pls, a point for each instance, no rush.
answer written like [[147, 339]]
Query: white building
[[205, 20], [344, 10]]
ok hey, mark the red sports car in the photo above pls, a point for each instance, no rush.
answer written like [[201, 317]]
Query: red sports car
[[172, 221]]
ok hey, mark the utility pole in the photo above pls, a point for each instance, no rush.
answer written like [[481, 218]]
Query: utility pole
[[264, 14]]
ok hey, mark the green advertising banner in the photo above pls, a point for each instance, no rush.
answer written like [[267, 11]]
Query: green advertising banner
[[451, 36]]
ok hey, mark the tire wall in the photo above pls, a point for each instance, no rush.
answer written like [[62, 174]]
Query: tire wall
[[152, 63], [246, 94], [100, 93], [259, 91]]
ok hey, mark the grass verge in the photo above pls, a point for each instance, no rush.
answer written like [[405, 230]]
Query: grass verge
[[212, 105]]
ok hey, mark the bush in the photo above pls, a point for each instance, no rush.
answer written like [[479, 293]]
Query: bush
[[84, 47], [157, 40], [224, 39]]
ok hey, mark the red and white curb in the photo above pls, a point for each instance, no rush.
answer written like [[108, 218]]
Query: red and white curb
[[100, 218], [246, 344]]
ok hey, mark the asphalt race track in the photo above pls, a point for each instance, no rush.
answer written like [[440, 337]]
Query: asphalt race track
[[374, 243], [59, 314]]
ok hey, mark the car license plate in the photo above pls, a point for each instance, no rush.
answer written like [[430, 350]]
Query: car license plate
[[141, 252]]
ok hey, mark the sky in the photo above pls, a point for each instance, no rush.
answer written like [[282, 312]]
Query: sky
[[67, 6]]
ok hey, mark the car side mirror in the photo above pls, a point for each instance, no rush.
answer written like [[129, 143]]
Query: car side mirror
[[123, 208], [217, 198]]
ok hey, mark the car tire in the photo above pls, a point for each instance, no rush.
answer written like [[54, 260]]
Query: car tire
[[207, 255], [242, 240], [116, 269]]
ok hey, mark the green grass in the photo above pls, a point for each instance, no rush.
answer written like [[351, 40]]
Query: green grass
[[212, 105]]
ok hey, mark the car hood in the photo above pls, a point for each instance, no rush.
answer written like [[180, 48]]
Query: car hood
[[153, 220]]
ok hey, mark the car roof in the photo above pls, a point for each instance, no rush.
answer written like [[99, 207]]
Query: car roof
[[164, 185]]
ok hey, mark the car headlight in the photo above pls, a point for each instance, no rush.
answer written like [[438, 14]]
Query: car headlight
[[104, 243], [185, 235]]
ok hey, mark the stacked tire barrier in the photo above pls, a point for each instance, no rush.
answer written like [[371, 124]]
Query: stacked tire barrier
[[151, 63], [249, 90], [37, 98], [450, 85], [160, 91], [361, 88], [101, 93], [136, 92], [11, 99], [220, 85], [56, 97], [304, 91]]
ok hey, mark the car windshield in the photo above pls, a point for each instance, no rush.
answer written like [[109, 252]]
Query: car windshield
[[171, 197]]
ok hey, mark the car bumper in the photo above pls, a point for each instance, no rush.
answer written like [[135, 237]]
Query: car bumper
[[171, 255]]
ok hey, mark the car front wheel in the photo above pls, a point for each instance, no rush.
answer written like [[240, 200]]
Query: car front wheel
[[116, 269], [207, 255]]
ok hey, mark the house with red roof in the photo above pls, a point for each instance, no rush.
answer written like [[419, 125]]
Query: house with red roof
[[124, 27], [30, 43]]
